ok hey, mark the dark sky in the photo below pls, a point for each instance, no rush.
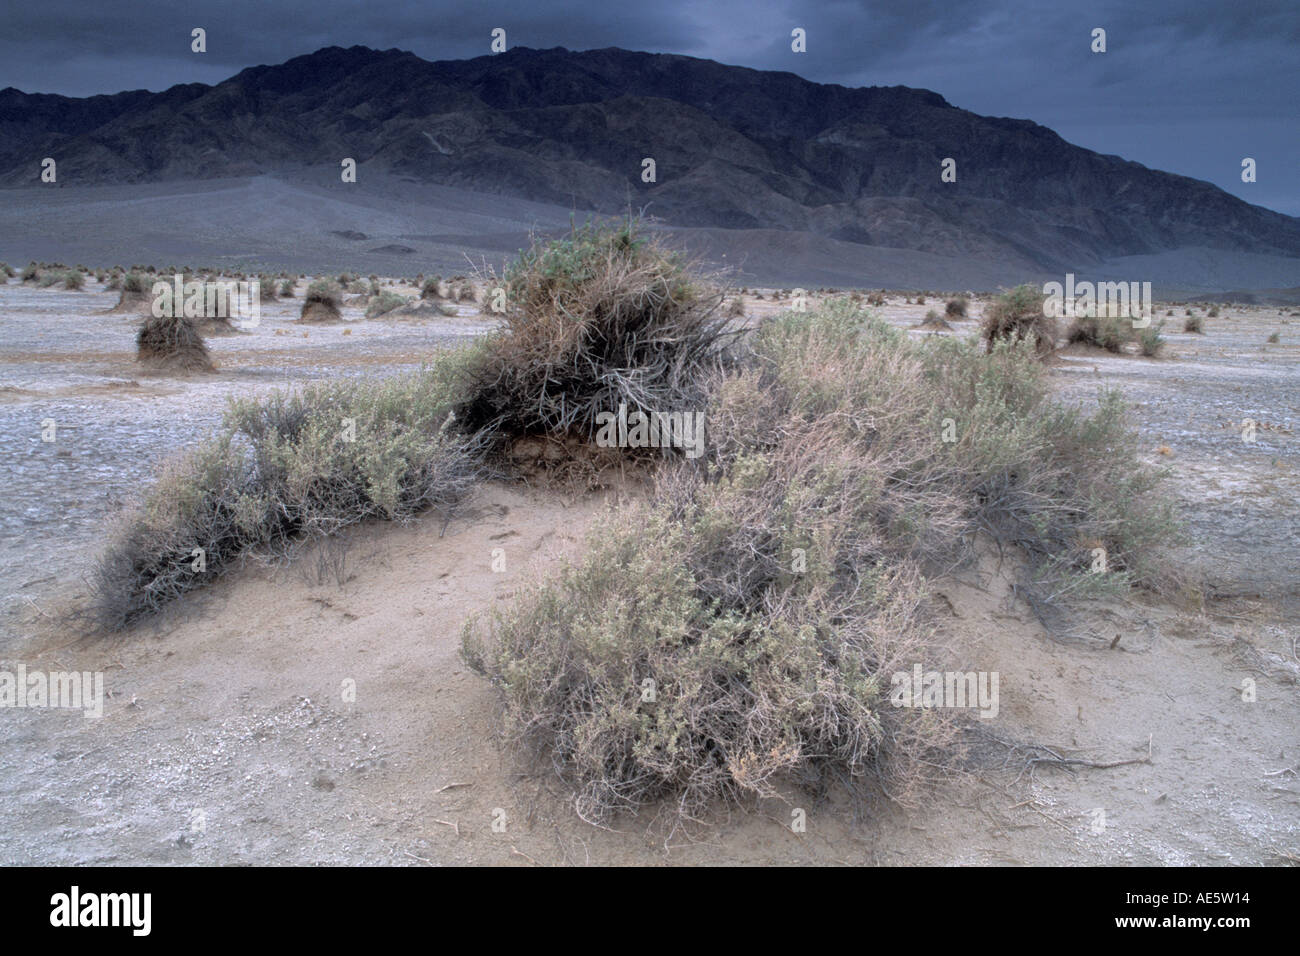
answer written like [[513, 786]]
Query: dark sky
[[1190, 87]]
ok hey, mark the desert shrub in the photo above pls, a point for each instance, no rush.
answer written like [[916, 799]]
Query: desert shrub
[[286, 289], [1150, 341], [1275, 338], [31, 272], [1195, 324], [173, 343], [50, 278], [592, 321], [321, 302], [876, 299], [294, 467], [383, 303], [73, 281], [769, 594], [956, 308], [266, 288], [920, 300], [430, 288], [1019, 315], [114, 281], [6, 272], [1102, 331], [1213, 313], [736, 310], [135, 283], [357, 287]]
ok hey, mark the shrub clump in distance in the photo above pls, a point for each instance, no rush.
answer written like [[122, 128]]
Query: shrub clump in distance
[[1018, 314], [172, 343], [383, 303], [322, 302]]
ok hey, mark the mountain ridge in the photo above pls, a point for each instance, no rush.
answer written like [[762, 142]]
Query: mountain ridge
[[734, 148]]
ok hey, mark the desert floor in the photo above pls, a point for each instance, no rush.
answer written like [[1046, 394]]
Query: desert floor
[[227, 738]]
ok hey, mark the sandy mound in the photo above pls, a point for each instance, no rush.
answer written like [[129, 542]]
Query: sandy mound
[[315, 722], [132, 302], [319, 312]]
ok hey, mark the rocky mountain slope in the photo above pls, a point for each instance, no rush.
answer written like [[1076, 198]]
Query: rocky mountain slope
[[734, 148]]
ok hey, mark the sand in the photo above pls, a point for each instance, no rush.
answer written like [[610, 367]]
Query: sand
[[232, 734]]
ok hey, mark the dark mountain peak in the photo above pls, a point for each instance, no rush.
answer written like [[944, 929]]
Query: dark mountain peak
[[733, 147]]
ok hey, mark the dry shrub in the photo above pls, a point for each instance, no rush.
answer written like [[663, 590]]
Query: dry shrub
[[293, 468], [172, 343], [1194, 324], [956, 308], [1107, 332], [135, 294], [768, 593], [934, 322], [321, 302], [286, 289], [1018, 315], [383, 303], [598, 319]]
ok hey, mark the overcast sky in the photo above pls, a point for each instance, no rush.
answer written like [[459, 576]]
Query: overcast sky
[[1188, 86]]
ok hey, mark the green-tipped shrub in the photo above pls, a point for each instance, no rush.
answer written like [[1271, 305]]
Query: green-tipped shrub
[[1150, 341], [136, 283], [1195, 324], [383, 303], [286, 289], [1102, 331], [73, 281], [769, 593], [295, 466]]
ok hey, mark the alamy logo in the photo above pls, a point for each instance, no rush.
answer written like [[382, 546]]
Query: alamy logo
[[637, 429], [103, 909], [950, 689], [1108, 299], [73, 690], [238, 301]]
